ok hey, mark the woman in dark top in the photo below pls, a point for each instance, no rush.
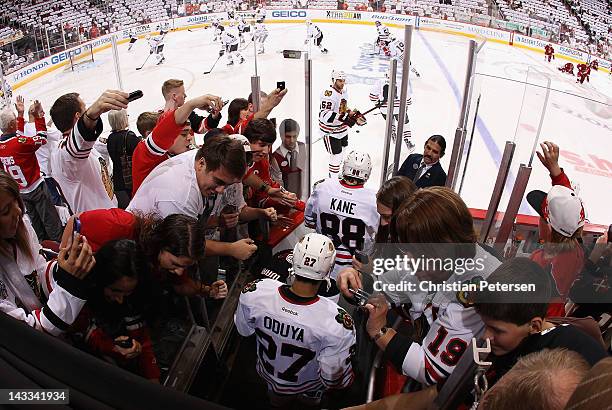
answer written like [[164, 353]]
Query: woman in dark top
[[121, 143]]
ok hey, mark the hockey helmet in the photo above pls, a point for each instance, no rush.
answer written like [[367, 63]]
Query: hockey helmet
[[309, 21], [378, 23], [357, 165], [338, 75], [314, 257], [220, 28]]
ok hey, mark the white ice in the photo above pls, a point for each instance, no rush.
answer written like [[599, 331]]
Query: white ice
[[582, 127]]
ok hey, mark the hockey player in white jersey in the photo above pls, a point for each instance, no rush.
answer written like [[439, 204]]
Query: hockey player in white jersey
[[314, 34], [133, 39], [229, 42], [383, 36], [333, 111], [396, 51], [305, 343], [243, 29], [157, 46], [380, 95], [216, 25], [260, 35], [345, 211], [260, 15]]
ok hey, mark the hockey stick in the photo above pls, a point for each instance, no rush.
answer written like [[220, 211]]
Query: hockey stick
[[145, 62], [213, 66]]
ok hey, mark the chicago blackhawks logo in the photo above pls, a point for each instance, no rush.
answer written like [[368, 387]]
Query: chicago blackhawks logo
[[344, 319], [251, 287], [343, 107]]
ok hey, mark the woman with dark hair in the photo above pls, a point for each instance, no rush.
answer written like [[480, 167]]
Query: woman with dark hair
[[436, 244], [112, 325], [237, 114], [172, 245], [392, 193], [23, 271]]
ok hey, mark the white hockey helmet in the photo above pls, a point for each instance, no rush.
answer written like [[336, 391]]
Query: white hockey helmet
[[314, 257], [338, 75], [309, 21], [357, 165], [147, 37], [378, 23]]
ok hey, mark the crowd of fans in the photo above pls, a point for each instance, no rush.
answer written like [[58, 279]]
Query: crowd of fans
[[154, 225]]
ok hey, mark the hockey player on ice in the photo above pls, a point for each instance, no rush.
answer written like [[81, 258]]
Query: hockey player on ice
[[215, 25], [380, 95], [333, 112], [260, 35], [396, 51], [229, 43], [243, 28], [260, 15], [345, 211], [315, 35], [133, 39], [157, 47], [383, 38]]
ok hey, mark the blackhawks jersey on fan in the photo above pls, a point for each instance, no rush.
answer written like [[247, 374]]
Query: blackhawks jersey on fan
[[346, 214], [333, 106], [303, 344]]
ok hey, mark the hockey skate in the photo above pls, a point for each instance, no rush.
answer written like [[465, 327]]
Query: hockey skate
[[231, 62], [161, 61], [241, 60], [324, 51], [410, 146], [260, 51]]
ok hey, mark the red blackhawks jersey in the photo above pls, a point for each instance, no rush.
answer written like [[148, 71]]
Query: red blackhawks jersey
[[153, 150], [346, 214], [18, 155], [333, 107], [303, 344]]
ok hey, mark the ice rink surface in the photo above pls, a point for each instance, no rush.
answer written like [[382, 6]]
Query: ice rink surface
[[577, 117]]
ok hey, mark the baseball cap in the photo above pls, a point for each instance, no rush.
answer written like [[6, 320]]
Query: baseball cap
[[561, 208]]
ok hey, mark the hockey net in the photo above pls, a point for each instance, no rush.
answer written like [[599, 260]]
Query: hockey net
[[81, 61]]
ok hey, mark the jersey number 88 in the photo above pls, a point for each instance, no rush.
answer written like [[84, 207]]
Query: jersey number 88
[[350, 232]]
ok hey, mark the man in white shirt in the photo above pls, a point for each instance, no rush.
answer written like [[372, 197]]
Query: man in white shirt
[[188, 184], [81, 172]]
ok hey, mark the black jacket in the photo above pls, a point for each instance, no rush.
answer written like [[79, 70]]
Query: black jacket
[[435, 176]]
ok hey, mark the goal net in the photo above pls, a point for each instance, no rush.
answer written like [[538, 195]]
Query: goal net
[[82, 60]]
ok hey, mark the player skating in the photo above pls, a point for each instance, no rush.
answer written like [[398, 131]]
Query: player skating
[[156, 44], [396, 51], [380, 95], [260, 35], [383, 37], [594, 65], [567, 68], [314, 34], [549, 53], [243, 29], [584, 72], [333, 111], [305, 342], [133, 39], [345, 211], [260, 15], [229, 42], [216, 27]]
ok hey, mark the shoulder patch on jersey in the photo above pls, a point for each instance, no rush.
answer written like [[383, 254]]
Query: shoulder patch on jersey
[[327, 93], [344, 319], [251, 286], [466, 298], [22, 140], [318, 182]]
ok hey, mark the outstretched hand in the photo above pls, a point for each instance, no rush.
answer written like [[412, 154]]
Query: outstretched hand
[[550, 157]]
